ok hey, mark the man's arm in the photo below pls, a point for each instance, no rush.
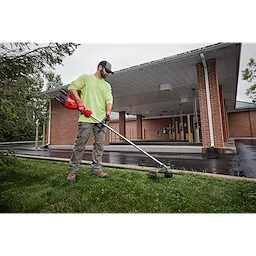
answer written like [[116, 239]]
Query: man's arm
[[75, 95], [108, 110], [80, 105], [109, 107], [76, 86]]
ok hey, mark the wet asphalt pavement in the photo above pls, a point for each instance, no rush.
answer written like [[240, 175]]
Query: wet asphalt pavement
[[243, 164]]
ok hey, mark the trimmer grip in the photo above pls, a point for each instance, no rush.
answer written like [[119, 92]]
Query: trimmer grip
[[104, 120]]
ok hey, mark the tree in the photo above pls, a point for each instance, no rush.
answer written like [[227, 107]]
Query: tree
[[22, 59], [249, 74], [53, 80], [24, 105], [23, 69]]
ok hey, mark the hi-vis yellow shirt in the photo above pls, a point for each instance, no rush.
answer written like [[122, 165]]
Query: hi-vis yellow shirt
[[95, 94]]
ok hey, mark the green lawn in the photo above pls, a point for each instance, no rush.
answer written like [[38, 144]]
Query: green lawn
[[37, 186]]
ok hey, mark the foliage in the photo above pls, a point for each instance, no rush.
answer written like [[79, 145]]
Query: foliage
[[53, 81], [249, 74], [23, 59], [23, 69]]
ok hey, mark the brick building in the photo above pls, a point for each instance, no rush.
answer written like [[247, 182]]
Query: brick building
[[188, 97]]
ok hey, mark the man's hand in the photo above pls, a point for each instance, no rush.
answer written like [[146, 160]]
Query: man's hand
[[87, 112], [80, 106], [108, 115]]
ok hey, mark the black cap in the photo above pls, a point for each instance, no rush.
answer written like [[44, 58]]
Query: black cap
[[106, 65]]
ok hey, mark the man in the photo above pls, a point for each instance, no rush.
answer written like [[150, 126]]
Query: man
[[93, 95]]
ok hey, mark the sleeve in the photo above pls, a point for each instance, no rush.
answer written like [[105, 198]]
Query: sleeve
[[109, 96], [78, 84]]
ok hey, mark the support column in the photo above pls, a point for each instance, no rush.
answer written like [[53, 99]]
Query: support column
[[139, 127], [189, 128], [122, 129], [173, 126], [226, 114], [181, 124], [223, 115], [215, 105]]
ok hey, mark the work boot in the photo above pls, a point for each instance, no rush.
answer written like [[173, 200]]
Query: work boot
[[99, 174], [71, 176]]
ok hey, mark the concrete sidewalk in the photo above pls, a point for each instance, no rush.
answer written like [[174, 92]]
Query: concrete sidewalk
[[172, 149], [147, 148]]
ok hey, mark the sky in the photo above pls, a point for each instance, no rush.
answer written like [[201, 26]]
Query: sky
[[87, 56]]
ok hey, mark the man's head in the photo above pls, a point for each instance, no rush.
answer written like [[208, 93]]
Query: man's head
[[105, 69]]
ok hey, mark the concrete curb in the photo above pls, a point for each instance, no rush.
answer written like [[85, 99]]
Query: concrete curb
[[139, 168]]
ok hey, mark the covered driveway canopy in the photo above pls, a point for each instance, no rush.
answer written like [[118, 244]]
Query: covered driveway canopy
[[157, 88], [163, 87]]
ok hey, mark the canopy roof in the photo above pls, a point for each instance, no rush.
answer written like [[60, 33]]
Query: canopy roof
[[163, 87]]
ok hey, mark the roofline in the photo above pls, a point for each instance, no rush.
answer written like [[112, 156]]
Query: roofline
[[176, 57], [242, 110], [55, 90], [245, 101]]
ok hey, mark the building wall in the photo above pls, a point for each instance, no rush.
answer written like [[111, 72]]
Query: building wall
[[64, 126], [239, 124], [242, 124], [149, 128]]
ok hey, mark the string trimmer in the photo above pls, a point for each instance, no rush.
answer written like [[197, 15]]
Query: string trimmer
[[67, 101]]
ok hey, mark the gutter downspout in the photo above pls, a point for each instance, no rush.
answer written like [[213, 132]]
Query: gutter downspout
[[208, 99], [195, 118]]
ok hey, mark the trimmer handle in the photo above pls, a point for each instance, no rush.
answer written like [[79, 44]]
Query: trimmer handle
[[104, 120], [101, 123]]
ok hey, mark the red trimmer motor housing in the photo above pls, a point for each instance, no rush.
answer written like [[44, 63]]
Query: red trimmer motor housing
[[65, 99]]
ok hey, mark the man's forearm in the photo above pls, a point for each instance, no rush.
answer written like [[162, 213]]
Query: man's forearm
[[75, 95], [109, 107]]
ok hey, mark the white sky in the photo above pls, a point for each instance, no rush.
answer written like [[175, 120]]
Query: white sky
[[87, 56]]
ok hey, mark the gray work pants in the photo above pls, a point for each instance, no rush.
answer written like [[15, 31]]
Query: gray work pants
[[84, 132]]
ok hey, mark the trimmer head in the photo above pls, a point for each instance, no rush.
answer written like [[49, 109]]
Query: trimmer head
[[166, 170]]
